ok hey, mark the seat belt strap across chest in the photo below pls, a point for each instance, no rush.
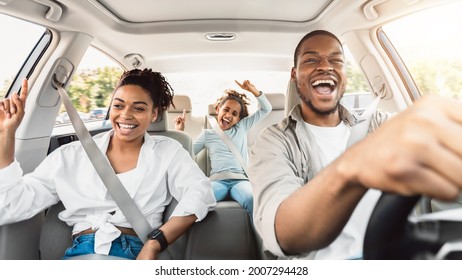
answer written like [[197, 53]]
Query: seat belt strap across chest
[[225, 138], [106, 172], [360, 129]]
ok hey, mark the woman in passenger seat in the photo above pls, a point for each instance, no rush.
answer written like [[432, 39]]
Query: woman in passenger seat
[[227, 175], [152, 169]]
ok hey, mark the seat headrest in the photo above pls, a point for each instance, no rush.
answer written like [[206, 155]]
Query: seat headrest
[[277, 100], [292, 97], [211, 110], [160, 124], [181, 102]]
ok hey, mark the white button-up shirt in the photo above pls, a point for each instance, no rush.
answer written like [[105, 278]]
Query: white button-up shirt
[[164, 170]]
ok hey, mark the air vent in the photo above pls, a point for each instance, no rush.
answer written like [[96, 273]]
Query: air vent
[[220, 36]]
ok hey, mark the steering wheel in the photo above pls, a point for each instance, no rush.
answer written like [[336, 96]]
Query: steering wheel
[[389, 234]]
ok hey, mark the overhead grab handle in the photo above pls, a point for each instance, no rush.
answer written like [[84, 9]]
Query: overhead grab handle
[[54, 12], [369, 9]]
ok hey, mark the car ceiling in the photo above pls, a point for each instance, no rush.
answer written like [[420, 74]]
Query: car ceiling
[[171, 36]]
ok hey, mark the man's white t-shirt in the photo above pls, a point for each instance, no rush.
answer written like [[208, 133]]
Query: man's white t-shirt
[[332, 143]]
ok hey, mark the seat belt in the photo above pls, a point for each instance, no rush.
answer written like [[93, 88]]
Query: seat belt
[[225, 138], [361, 127], [106, 172]]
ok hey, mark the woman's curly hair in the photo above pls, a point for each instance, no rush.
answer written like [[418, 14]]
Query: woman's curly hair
[[231, 94], [154, 83]]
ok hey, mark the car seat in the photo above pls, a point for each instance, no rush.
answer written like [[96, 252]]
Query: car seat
[[292, 98], [277, 101], [160, 127], [193, 123]]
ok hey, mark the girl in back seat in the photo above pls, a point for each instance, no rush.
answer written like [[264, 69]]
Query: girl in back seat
[[227, 175]]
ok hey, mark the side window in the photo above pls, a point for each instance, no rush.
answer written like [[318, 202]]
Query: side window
[[431, 52], [19, 38], [90, 90], [357, 94]]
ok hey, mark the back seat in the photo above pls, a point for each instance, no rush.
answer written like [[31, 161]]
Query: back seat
[[193, 125], [160, 127], [278, 102], [202, 158]]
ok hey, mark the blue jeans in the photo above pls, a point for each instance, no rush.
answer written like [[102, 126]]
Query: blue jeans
[[125, 246], [238, 190]]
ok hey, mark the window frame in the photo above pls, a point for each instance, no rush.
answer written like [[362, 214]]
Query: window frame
[[31, 62], [399, 65]]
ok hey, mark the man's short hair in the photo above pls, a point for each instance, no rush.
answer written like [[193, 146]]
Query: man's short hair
[[308, 36]]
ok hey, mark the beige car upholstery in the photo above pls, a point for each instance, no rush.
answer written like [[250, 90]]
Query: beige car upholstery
[[160, 127], [277, 101], [194, 123]]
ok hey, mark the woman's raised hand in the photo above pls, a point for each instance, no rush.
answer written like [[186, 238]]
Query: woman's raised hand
[[12, 109]]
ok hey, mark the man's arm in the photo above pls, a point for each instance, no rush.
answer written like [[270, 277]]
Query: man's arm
[[416, 152], [313, 216], [289, 215]]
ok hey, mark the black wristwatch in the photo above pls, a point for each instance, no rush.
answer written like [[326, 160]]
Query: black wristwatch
[[158, 235]]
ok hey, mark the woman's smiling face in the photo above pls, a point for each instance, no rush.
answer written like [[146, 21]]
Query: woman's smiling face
[[131, 112]]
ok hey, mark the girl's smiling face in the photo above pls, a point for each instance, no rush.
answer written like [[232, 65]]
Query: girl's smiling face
[[229, 114]]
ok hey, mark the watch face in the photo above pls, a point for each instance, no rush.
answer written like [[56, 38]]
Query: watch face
[[154, 233], [158, 235]]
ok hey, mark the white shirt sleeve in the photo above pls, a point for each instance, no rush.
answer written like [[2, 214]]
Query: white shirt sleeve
[[22, 198], [190, 187]]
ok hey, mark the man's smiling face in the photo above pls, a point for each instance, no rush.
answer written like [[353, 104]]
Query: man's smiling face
[[320, 74]]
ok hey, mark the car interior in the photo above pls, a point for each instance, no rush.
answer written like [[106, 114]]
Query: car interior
[[202, 48]]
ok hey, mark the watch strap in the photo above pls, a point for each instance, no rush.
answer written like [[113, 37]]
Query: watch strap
[[158, 235]]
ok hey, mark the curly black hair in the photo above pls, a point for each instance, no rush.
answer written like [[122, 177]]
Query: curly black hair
[[154, 83], [231, 94]]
